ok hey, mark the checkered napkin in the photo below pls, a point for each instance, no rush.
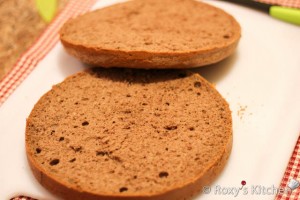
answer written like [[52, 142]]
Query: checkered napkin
[[286, 3], [292, 173], [40, 48], [46, 42]]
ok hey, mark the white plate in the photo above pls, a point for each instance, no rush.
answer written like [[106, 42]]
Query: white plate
[[260, 82]]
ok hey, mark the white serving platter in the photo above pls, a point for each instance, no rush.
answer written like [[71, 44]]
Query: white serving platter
[[261, 82]]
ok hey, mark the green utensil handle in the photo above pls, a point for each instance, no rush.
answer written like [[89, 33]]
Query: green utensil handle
[[46, 9], [291, 15]]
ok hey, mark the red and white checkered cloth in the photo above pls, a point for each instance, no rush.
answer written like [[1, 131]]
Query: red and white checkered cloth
[[286, 3], [49, 38], [40, 48], [292, 172]]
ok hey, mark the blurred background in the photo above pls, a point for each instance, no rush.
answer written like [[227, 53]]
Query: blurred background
[[20, 26]]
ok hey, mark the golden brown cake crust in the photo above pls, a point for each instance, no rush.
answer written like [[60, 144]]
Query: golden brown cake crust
[[152, 34], [129, 134]]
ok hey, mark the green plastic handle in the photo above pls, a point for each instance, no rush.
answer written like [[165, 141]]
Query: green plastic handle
[[291, 15], [46, 9]]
